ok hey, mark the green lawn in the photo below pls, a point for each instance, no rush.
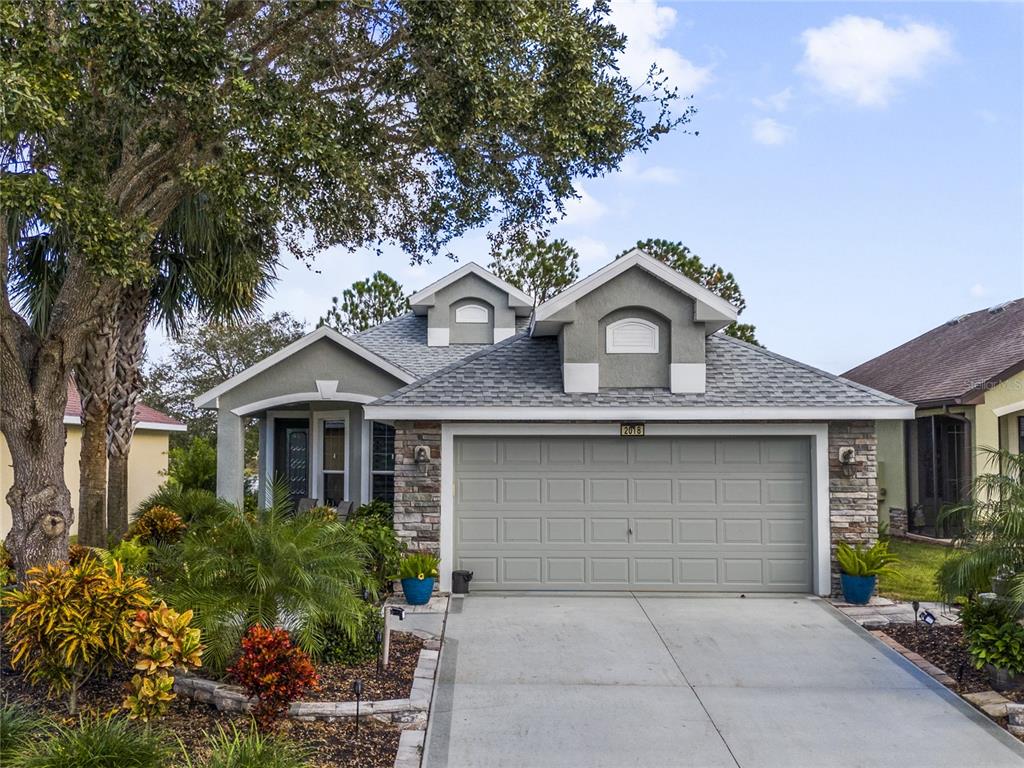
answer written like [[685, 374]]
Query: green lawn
[[915, 579]]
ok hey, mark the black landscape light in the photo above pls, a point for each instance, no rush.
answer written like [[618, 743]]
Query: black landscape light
[[378, 637], [927, 617], [357, 689]]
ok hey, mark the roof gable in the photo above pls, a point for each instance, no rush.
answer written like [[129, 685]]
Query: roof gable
[[209, 399], [712, 310], [424, 298]]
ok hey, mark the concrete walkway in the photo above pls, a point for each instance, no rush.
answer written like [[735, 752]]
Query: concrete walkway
[[536, 681]]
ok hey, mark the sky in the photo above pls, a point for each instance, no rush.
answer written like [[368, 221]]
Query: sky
[[859, 168]]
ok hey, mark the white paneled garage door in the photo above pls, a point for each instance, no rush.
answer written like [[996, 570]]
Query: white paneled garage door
[[654, 513]]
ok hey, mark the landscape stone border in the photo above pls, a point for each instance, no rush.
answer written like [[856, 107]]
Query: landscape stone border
[[992, 703], [410, 713]]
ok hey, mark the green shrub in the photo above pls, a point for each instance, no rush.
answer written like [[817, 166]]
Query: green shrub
[[188, 503], [251, 750], [18, 729], [69, 621], [157, 525], [342, 647], [1001, 645], [131, 553], [419, 565], [96, 743], [384, 549], [7, 574], [193, 466], [976, 614], [376, 509], [873, 561], [266, 568]]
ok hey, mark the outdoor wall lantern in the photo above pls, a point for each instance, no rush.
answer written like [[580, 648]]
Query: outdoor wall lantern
[[421, 454], [847, 460]]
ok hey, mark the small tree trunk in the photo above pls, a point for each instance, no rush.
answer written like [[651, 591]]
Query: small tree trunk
[[39, 500], [133, 317], [117, 492], [94, 378]]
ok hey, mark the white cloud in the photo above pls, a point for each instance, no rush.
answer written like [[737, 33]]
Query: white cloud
[[594, 254], [651, 174], [583, 209], [862, 60], [777, 102], [645, 25], [771, 132], [978, 291]]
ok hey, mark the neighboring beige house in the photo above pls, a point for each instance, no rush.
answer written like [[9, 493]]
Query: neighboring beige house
[[966, 378], [147, 462]]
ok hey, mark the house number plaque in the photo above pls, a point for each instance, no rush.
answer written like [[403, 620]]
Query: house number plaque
[[631, 430]]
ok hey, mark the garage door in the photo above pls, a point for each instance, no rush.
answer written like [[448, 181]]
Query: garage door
[[654, 513]]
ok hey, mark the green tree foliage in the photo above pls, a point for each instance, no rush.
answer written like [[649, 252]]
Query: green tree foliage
[[538, 267], [991, 525], [207, 355], [403, 122], [193, 466], [711, 276], [367, 303], [269, 568]]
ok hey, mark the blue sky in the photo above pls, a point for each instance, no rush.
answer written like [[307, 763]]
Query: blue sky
[[859, 168]]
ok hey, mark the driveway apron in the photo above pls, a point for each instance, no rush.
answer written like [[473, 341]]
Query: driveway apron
[[591, 681]]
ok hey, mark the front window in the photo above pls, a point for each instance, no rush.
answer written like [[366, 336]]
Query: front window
[[382, 467], [334, 463]]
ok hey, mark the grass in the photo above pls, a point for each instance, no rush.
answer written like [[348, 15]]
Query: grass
[[915, 577]]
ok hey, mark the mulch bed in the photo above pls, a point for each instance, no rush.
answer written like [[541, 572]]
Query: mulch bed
[[945, 647], [395, 682], [330, 743]]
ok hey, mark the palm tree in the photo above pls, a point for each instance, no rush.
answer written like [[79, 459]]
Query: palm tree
[[272, 567], [991, 541], [202, 268]]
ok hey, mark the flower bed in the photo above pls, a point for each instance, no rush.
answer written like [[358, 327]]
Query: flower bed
[[946, 648]]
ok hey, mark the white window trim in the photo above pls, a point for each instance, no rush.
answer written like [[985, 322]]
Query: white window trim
[[817, 432], [316, 440], [612, 348], [476, 314]]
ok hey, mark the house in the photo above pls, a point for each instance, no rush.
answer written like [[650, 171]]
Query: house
[[147, 461], [610, 439], [966, 379]]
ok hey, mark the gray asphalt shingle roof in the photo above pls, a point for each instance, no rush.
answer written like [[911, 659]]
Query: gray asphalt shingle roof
[[524, 371], [403, 341]]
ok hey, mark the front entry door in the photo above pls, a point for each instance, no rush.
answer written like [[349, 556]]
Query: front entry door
[[291, 456]]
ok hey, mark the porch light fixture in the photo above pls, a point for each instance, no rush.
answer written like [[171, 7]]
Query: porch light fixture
[[847, 461]]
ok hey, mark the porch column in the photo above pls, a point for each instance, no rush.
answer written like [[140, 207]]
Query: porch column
[[230, 456]]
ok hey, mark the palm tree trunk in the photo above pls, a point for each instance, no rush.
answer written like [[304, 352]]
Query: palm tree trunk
[[94, 378], [133, 317]]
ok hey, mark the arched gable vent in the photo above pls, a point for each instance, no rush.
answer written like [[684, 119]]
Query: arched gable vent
[[631, 335], [471, 313]]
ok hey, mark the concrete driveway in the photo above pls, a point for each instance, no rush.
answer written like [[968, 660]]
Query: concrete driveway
[[534, 681]]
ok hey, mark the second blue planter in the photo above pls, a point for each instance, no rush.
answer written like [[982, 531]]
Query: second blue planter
[[417, 591], [858, 589]]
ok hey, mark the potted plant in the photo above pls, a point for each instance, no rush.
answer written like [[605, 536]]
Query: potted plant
[[999, 650], [861, 568], [417, 572]]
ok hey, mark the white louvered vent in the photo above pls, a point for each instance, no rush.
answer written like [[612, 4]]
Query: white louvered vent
[[631, 336], [471, 313]]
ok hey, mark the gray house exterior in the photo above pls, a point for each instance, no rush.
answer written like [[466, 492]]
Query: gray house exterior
[[609, 439]]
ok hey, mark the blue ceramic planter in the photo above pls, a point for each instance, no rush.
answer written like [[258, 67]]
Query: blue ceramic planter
[[858, 589], [417, 591]]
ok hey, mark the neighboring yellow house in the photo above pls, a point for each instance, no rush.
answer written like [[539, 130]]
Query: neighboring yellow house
[[967, 379], [147, 462]]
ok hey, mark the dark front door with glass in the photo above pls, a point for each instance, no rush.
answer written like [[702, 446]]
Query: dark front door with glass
[[291, 456]]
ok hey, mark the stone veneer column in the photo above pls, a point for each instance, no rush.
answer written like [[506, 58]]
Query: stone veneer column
[[853, 501], [418, 486]]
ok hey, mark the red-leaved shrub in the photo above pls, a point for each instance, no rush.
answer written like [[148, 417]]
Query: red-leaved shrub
[[274, 671]]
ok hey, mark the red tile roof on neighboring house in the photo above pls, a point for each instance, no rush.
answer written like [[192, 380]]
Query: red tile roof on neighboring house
[[953, 363], [149, 418]]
